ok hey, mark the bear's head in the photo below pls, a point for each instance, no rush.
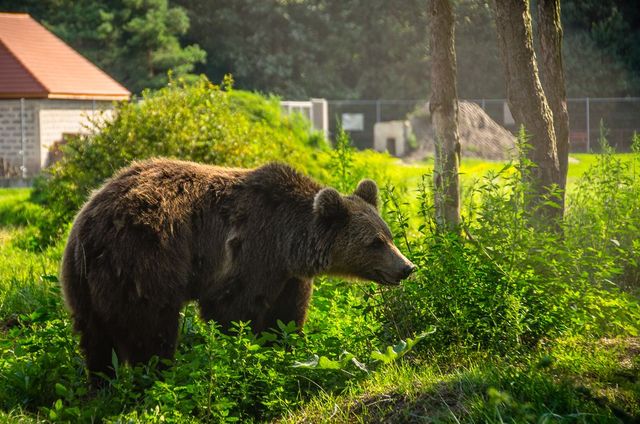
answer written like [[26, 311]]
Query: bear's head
[[363, 245]]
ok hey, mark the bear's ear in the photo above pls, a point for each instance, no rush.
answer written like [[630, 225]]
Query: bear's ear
[[368, 191], [328, 203]]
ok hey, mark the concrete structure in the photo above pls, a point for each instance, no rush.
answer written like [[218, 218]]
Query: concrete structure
[[32, 126], [47, 91], [315, 110], [392, 137]]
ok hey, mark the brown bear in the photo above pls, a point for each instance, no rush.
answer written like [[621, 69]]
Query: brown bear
[[244, 243]]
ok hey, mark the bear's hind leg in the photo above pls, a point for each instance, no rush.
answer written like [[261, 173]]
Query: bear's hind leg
[[153, 332], [291, 304], [97, 346]]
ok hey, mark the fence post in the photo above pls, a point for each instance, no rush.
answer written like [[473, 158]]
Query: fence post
[[378, 112], [23, 141], [588, 128]]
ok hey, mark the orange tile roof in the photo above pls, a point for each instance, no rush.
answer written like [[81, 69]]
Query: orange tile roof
[[34, 63]]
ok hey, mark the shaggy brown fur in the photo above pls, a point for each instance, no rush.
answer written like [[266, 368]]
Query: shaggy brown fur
[[244, 243]]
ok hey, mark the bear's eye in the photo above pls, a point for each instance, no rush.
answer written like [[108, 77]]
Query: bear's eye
[[377, 242]]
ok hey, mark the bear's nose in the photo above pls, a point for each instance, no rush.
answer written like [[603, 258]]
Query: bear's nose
[[408, 270]]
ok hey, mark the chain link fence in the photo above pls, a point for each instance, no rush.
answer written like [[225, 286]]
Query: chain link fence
[[619, 118]]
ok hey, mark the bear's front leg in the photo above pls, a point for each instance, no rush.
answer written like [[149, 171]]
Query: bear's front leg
[[234, 302], [291, 304]]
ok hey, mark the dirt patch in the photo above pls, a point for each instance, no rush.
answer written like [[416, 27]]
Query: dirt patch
[[629, 350], [444, 402], [5, 235], [480, 136], [8, 323]]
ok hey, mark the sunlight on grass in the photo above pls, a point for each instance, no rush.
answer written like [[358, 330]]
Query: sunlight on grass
[[560, 377]]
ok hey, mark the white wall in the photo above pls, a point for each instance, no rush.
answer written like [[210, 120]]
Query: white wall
[[45, 121], [397, 130], [59, 117]]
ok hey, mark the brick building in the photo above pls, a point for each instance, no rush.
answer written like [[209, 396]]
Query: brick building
[[47, 91]]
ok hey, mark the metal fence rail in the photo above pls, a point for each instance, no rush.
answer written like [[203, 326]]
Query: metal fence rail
[[620, 117]]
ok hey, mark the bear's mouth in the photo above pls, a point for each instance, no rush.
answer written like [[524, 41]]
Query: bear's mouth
[[385, 279]]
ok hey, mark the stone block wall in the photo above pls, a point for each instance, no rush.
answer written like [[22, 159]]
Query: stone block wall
[[45, 122], [11, 120]]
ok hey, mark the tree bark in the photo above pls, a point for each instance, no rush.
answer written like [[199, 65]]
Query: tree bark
[[528, 104], [552, 75], [444, 115]]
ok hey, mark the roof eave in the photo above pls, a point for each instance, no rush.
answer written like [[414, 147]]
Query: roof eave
[[65, 96], [17, 96], [80, 96]]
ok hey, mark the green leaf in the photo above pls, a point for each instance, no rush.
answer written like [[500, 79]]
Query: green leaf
[[328, 364], [393, 353], [359, 365], [324, 363], [311, 363], [50, 278], [61, 390], [114, 361]]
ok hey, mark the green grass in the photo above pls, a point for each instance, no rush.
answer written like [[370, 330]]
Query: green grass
[[471, 168], [15, 208], [25, 276], [574, 380], [24, 282], [579, 163]]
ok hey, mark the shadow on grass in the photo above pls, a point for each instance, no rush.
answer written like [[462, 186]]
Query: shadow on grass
[[540, 391]]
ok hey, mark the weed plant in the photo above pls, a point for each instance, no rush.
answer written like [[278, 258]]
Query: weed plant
[[504, 282]]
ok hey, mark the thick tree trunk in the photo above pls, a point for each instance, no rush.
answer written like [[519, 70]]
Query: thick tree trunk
[[444, 115], [528, 103], [552, 75]]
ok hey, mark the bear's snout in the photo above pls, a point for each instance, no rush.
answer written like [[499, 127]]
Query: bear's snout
[[395, 268], [408, 270], [405, 270]]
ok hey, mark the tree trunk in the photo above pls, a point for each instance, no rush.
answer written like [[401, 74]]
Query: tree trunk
[[552, 75], [444, 115], [528, 104]]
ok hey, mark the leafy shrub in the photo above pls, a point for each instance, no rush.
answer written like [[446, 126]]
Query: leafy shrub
[[215, 376], [602, 220], [267, 111], [505, 283], [197, 121], [37, 355]]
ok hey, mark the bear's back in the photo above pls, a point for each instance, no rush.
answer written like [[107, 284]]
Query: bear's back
[[159, 194]]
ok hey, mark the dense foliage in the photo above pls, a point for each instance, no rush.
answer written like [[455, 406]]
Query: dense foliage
[[136, 42], [364, 49], [331, 48], [507, 284]]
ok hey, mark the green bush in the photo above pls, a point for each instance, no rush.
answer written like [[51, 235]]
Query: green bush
[[197, 121], [505, 284], [602, 220]]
